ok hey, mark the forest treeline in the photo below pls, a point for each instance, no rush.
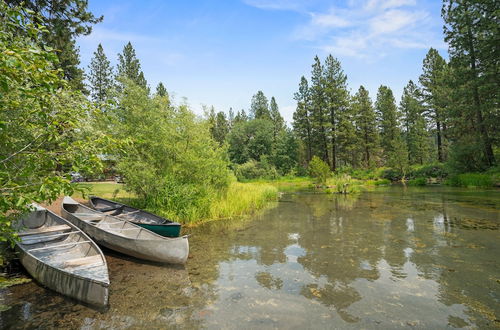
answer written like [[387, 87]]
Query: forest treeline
[[57, 118]]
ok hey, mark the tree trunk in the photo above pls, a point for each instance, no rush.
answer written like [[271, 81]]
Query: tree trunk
[[439, 142]]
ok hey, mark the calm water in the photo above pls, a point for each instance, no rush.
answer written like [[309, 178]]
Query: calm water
[[390, 258]]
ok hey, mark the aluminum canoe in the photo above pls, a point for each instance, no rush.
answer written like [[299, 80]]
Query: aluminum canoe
[[145, 219], [61, 257], [125, 237]]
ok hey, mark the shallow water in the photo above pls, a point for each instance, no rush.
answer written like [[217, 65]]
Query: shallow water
[[390, 258]]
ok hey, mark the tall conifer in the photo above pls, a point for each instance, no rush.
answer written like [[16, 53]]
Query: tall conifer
[[366, 127], [100, 76], [388, 117], [130, 67]]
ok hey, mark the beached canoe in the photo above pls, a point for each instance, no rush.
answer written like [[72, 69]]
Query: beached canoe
[[125, 237], [61, 257], [139, 217]]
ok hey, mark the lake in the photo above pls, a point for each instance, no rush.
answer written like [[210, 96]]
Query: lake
[[388, 258]]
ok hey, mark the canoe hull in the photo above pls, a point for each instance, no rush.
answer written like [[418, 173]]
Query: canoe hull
[[167, 230], [82, 289]]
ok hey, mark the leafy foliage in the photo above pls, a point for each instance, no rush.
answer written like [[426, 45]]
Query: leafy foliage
[[45, 127], [65, 20], [319, 170], [171, 163]]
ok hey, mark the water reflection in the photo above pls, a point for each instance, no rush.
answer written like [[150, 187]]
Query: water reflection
[[387, 258]]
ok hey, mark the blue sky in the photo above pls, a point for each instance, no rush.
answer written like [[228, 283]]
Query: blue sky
[[220, 53]]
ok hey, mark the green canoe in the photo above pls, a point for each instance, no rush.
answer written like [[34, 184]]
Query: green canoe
[[142, 218]]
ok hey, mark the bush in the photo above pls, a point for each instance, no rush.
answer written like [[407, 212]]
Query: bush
[[466, 156], [392, 174], [418, 182], [171, 162], [255, 170], [435, 170], [379, 182], [367, 174], [319, 170]]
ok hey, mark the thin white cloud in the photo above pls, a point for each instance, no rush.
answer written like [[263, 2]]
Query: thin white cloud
[[386, 4], [329, 20], [361, 28], [395, 20], [277, 4], [369, 28]]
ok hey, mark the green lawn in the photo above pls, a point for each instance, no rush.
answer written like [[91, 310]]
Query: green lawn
[[109, 190]]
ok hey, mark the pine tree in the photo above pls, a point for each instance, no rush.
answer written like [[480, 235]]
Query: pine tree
[[366, 126], [240, 117], [230, 118], [65, 21], [211, 119], [276, 118], [161, 90], [434, 95], [414, 124], [100, 76], [259, 109], [221, 128], [471, 30], [319, 114], [397, 157], [388, 117], [301, 117], [337, 104], [130, 67]]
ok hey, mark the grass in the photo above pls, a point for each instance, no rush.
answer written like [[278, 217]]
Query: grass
[[241, 199], [343, 184], [284, 184], [377, 182], [109, 190], [471, 180]]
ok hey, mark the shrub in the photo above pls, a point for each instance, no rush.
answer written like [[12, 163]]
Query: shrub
[[418, 182], [466, 156], [435, 170], [171, 162], [379, 182], [255, 170], [319, 170], [392, 174]]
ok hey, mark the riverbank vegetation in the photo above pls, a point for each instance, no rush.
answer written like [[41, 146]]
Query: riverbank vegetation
[[54, 124]]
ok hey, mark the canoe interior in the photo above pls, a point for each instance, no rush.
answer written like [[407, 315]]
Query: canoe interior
[[109, 223], [132, 214], [59, 244]]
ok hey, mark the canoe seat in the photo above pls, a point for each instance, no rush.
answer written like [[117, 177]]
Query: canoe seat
[[88, 216], [43, 230], [85, 261]]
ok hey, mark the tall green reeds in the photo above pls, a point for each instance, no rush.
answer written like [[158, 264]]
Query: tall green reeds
[[471, 180]]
